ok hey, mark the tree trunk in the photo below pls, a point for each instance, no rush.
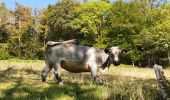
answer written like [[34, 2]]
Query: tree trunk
[[139, 64], [19, 46], [149, 62], [133, 63], [169, 56], [44, 43], [19, 22]]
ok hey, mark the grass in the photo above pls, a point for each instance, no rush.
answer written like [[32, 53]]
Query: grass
[[20, 80]]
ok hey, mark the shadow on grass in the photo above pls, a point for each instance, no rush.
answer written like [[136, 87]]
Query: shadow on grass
[[115, 88], [13, 74], [13, 70], [19, 92], [25, 91]]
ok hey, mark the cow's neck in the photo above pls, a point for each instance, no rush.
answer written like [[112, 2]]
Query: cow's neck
[[107, 63]]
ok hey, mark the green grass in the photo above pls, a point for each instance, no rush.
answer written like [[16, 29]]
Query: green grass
[[21, 60], [20, 80]]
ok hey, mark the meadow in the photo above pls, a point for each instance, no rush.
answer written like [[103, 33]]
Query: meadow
[[21, 80]]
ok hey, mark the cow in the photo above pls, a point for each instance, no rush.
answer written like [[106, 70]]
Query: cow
[[76, 58]]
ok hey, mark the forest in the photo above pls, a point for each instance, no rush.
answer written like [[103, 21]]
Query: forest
[[141, 28]]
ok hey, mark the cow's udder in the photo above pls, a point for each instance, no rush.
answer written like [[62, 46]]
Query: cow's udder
[[75, 66]]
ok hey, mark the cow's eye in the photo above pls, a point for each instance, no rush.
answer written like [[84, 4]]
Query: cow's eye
[[112, 55]]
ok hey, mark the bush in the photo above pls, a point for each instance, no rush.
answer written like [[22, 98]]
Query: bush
[[164, 61], [4, 54], [41, 53]]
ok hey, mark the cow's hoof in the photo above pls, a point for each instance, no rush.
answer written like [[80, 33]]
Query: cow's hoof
[[61, 83], [101, 83], [43, 80]]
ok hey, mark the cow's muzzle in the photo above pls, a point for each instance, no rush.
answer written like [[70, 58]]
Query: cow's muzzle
[[116, 63]]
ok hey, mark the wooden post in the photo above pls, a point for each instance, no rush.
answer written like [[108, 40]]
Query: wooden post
[[161, 80]]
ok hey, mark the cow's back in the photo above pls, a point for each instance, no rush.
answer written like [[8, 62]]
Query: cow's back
[[68, 51]]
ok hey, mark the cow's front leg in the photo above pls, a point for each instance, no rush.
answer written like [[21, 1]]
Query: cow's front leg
[[97, 79], [57, 73], [93, 72], [97, 76], [47, 69], [100, 76]]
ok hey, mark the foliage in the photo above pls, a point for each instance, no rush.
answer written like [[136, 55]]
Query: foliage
[[4, 18], [4, 14], [4, 54], [58, 18], [91, 21], [141, 28]]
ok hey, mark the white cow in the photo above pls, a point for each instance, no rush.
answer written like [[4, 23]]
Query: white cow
[[77, 58]]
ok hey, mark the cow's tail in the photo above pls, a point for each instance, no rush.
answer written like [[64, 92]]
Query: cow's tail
[[72, 41]]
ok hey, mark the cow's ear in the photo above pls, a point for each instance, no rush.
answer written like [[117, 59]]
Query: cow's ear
[[106, 50], [124, 51]]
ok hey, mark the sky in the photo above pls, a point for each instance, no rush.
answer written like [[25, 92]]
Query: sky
[[33, 3], [29, 3]]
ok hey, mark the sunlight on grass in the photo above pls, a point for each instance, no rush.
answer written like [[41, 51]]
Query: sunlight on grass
[[22, 81], [4, 86]]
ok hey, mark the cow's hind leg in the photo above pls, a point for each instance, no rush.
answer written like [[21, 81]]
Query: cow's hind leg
[[47, 69], [57, 73]]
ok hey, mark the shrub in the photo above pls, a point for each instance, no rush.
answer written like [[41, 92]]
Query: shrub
[[4, 54]]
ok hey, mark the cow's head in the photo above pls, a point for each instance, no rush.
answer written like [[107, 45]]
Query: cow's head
[[113, 53]]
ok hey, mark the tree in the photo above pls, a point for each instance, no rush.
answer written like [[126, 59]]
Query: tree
[[4, 20], [126, 20], [91, 22], [163, 29], [23, 16], [4, 14], [58, 18], [153, 38], [23, 22]]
